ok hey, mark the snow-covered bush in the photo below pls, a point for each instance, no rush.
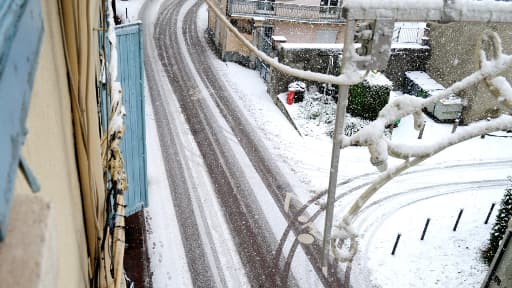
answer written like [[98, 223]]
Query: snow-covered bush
[[321, 109], [369, 97], [354, 124], [500, 226]]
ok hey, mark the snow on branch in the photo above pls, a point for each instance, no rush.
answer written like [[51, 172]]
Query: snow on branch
[[405, 151], [380, 147], [504, 90], [372, 136], [431, 10], [350, 74], [344, 226]]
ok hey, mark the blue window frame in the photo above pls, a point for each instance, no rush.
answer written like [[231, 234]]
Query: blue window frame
[[21, 31]]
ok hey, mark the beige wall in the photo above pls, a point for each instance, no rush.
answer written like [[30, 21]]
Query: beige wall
[[454, 56], [233, 44], [296, 32], [49, 150]]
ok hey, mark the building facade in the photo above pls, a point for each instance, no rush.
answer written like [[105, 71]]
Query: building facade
[[55, 237], [261, 22]]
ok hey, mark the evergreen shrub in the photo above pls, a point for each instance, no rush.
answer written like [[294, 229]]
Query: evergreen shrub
[[500, 226], [367, 98]]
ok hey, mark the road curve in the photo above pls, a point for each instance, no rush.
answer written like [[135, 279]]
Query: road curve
[[175, 164], [262, 161], [249, 228], [192, 78]]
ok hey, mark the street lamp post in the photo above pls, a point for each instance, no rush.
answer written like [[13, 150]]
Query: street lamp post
[[337, 143]]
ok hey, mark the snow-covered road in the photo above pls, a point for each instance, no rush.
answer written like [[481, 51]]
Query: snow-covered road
[[225, 160], [192, 248]]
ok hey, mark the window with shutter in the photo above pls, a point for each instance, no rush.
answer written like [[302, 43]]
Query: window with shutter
[[21, 31]]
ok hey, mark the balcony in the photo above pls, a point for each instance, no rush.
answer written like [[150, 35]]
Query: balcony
[[285, 11]]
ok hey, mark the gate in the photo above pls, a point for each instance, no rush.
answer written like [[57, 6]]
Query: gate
[[133, 145], [264, 37]]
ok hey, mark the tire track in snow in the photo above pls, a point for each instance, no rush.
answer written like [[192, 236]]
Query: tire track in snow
[[359, 187], [176, 168], [231, 187], [255, 149]]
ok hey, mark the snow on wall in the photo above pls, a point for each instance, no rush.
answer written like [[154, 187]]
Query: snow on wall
[[378, 79], [311, 46], [424, 81], [368, 4]]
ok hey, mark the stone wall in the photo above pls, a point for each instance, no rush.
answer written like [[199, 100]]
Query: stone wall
[[403, 60], [310, 59]]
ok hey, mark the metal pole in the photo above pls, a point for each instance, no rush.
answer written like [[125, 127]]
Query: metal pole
[[396, 243], [455, 125], [336, 147], [489, 214], [425, 229], [420, 135], [458, 219]]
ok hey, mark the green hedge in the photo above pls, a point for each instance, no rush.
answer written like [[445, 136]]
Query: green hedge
[[366, 100], [500, 226]]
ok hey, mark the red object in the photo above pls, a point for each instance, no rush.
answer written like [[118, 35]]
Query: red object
[[291, 95]]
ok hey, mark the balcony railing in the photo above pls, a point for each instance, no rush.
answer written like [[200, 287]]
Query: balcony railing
[[285, 11]]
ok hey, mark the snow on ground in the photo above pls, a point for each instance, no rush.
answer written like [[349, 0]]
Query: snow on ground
[[420, 263], [440, 260], [168, 259], [444, 258], [128, 10]]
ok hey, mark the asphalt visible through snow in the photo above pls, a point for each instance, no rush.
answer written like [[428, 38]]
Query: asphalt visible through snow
[[253, 238], [232, 189]]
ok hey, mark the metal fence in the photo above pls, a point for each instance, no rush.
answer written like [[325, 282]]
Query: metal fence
[[264, 70], [286, 11]]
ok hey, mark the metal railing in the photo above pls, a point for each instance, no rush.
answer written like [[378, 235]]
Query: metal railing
[[285, 11]]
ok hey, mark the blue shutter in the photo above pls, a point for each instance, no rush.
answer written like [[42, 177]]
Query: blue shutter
[[133, 146], [21, 31], [130, 58]]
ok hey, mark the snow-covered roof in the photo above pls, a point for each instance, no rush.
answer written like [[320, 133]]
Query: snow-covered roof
[[424, 81], [279, 38], [438, 4], [311, 46], [340, 45], [378, 79]]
